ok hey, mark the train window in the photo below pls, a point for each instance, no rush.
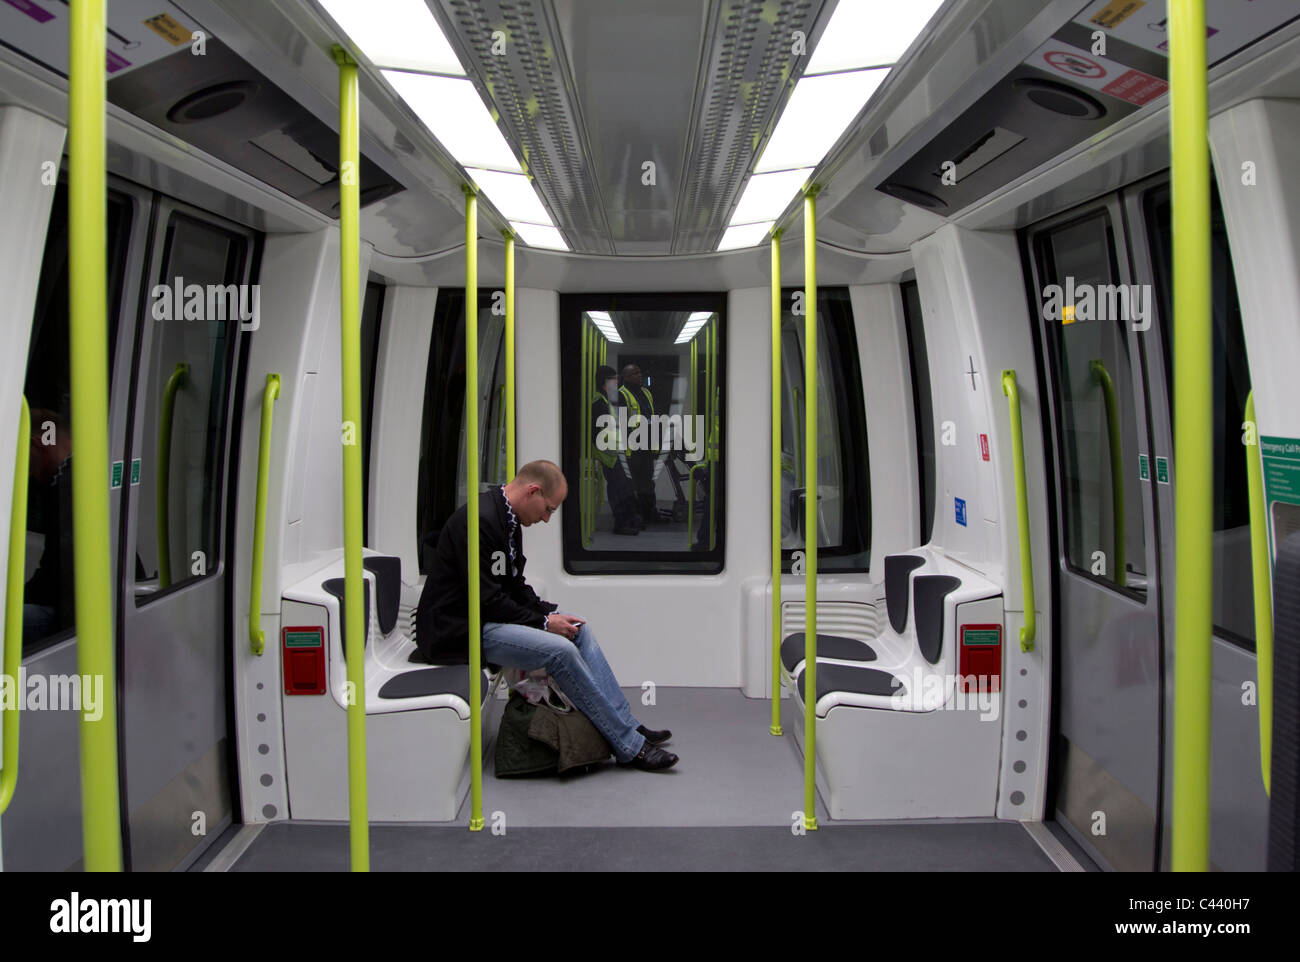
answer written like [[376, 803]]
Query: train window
[[442, 487], [1104, 514], [1234, 604], [48, 593], [843, 481], [187, 368], [372, 310], [643, 428], [922, 404]]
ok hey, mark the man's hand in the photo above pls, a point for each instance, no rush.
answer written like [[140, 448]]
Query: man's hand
[[565, 625]]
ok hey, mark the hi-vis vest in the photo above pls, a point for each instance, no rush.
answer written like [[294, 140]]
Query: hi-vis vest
[[630, 399], [607, 458]]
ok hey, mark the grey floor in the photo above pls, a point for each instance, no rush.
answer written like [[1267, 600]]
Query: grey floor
[[728, 805]]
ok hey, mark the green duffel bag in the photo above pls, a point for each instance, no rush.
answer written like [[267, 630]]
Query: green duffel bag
[[516, 753]]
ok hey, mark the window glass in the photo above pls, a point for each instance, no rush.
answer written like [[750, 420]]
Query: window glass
[[372, 310], [922, 404], [1105, 535], [186, 371], [442, 487], [48, 592], [644, 433], [843, 482], [1234, 603]]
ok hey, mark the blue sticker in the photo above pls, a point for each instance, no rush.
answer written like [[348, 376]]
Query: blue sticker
[[961, 511]]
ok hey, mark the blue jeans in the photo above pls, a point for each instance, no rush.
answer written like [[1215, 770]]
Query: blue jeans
[[579, 668]]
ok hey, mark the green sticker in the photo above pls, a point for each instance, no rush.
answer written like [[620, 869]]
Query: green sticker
[[1162, 470], [1144, 467], [302, 639], [1281, 468], [117, 475], [135, 472], [980, 636]]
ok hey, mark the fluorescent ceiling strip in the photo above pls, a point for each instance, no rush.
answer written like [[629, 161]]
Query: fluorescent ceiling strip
[[456, 115], [819, 110], [512, 195], [745, 235], [396, 33], [539, 235], [868, 33], [766, 196]]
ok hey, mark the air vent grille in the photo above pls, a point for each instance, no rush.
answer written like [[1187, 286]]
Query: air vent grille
[[846, 618]]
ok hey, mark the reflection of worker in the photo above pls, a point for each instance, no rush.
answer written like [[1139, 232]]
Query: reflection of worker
[[640, 404], [47, 597], [612, 457]]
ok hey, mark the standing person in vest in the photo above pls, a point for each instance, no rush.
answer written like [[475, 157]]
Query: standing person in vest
[[640, 404], [613, 459]]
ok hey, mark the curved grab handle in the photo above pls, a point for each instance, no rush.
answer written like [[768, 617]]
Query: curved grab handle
[[1098, 369], [256, 636], [12, 641], [1262, 576], [163, 495], [1012, 390]]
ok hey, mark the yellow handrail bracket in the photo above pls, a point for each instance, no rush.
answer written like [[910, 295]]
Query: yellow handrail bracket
[[256, 636], [1029, 630], [775, 727], [13, 627], [810, 526]]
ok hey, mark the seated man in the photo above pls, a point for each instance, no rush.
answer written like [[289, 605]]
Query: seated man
[[518, 628]]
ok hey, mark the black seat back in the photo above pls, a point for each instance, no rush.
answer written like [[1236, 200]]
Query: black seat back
[[335, 587], [898, 570], [388, 588], [930, 591]]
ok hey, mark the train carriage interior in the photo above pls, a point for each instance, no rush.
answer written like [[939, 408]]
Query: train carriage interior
[[870, 338]]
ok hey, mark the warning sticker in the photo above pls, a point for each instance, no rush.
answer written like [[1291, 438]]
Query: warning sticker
[[1280, 460], [1232, 24], [1098, 73], [1116, 12], [167, 28]]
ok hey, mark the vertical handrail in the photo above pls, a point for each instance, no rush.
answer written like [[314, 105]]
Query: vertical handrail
[[101, 830], [510, 353], [775, 727], [354, 585], [1098, 369], [1029, 630], [12, 640], [472, 511], [256, 636], [711, 434], [1261, 573], [810, 508], [1193, 445], [162, 492]]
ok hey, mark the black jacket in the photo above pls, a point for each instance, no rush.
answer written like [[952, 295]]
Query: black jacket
[[442, 618]]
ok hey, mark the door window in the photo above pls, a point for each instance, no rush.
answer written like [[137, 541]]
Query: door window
[[1086, 307], [190, 330]]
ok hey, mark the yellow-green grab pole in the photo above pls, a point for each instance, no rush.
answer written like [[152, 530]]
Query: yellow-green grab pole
[[775, 728], [1193, 452], [471, 487], [810, 509], [1262, 574], [11, 643], [510, 353], [350, 334], [87, 241]]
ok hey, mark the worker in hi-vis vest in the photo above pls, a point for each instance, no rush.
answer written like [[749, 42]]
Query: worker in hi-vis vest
[[612, 457], [640, 404]]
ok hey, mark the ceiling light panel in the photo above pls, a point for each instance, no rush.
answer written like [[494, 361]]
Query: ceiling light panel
[[395, 33], [456, 115], [512, 195], [766, 196], [539, 235], [745, 235], [867, 33], [819, 111]]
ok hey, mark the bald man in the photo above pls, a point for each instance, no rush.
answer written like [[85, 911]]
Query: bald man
[[519, 629]]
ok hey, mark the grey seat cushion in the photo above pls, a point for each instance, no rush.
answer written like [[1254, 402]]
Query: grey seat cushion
[[828, 646], [444, 680], [848, 678]]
